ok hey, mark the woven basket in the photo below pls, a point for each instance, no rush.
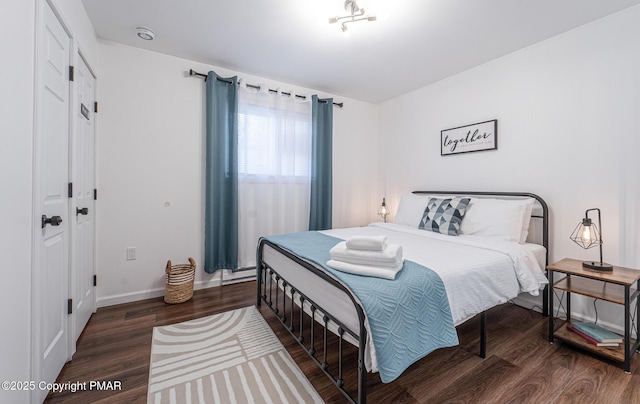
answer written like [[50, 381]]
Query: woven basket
[[179, 287]]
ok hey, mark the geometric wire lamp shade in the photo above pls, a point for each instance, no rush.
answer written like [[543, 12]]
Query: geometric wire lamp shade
[[587, 235]]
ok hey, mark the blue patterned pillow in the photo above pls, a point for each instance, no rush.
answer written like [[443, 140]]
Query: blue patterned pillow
[[444, 215]]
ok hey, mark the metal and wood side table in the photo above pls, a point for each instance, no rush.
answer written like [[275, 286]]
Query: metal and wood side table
[[612, 286]]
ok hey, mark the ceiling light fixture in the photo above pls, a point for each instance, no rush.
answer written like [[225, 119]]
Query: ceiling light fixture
[[145, 33], [356, 13]]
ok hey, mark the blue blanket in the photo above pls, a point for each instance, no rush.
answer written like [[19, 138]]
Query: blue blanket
[[409, 317]]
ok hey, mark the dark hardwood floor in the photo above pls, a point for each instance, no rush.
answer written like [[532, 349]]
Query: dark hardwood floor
[[520, 367]]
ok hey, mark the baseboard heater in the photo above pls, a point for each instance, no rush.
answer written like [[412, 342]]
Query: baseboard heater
[[230, 276]]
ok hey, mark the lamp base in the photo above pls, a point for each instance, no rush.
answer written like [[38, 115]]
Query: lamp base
[[598, 266]]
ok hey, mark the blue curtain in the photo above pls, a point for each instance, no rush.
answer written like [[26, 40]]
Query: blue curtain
[[221, 193], [321, 171]]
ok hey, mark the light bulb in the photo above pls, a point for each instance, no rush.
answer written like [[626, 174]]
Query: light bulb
[[586, 235], [383, 211]]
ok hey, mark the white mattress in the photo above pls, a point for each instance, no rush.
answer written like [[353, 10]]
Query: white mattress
[[478, 273]]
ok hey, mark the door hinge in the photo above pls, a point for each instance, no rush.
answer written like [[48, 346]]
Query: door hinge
[[95, 107], [70, 73], [95, 280], [95, 194], [70, 306], [70, 190]]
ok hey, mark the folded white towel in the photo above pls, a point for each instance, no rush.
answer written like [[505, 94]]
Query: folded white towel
[[366, 270], [390, 256], [370, 243]]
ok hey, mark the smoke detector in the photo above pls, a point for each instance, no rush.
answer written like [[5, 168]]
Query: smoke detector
[[145, 33]]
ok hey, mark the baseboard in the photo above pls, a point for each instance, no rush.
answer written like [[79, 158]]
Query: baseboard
[[128, 297], [148, 294]]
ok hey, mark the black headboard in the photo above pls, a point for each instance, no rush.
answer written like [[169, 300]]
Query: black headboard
[[540, 213], [540, 210]]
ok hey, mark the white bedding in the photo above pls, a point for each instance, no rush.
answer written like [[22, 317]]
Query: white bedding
[[478, 272]]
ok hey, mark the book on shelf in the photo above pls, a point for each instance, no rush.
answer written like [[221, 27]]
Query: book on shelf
[[596, 332], [591, 340]]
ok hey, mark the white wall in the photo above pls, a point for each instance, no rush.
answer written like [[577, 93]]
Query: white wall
[[151, 151], [567, 111], [17, 39]]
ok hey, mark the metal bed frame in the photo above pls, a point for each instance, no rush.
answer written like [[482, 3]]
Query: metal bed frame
[[298, 300]]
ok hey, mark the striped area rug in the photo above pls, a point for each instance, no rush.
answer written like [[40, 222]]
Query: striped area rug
[[231, 357]]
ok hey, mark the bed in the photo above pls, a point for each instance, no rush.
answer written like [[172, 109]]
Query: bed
[[499, 252]]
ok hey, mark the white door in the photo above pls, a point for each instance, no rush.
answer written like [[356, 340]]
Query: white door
[[51, 248], [82, 212]]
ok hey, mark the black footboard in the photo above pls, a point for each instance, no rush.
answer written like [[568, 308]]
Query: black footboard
[[278, 293]]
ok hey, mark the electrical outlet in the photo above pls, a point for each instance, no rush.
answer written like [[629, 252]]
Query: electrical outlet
[[131, 253]]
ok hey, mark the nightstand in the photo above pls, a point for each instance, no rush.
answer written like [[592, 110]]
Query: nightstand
[[612, 286]]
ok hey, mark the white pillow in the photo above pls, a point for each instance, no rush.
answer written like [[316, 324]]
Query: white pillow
[[497, 218], [411, 209], [526, 220]]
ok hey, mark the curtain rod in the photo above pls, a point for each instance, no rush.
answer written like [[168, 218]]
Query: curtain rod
[[204, 76]]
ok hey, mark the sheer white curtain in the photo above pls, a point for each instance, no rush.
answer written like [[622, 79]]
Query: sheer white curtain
[[274, 165]]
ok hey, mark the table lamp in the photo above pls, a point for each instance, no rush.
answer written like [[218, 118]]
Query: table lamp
[[587, 235], [383, 212]]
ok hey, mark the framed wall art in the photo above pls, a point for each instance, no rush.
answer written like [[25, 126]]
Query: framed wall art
[[469, 138]]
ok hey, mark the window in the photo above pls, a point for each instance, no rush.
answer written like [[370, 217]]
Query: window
[[274, 168], [274, 142]]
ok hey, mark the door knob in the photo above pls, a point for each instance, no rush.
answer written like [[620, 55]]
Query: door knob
[[83, 211], [53, 221]]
